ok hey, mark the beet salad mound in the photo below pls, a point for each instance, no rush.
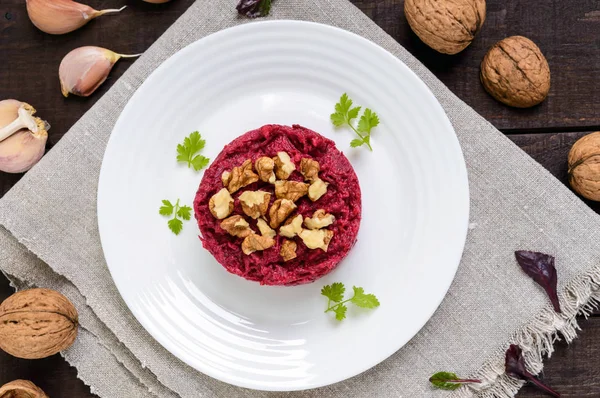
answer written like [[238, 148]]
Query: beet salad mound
[[280, 205]]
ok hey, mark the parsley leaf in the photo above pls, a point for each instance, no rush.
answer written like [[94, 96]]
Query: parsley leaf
[[190, 146], [360, 299], [185, 212], [335, 293], [340, 312], [345, 114], [449, 381], [175, 225], [166, 209], [178, 212]]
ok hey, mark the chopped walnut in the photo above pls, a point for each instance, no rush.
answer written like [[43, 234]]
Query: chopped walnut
[[317, 189], [226, 177], [292, 227], [279, 211], [284, 166], [255, 203], [316, 239], [221, 204], [264, 167], [288, 250], [320, 219], [292, 190], [310, 168], [254, 242], [236, 226], [241, 176], [264, 228]]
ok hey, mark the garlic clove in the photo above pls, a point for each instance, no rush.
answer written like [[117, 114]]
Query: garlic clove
[[25, 136], [20, 151], [62, 16], [84, 69], [16, 115]]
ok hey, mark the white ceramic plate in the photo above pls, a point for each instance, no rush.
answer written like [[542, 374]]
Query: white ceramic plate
[[415, 205]]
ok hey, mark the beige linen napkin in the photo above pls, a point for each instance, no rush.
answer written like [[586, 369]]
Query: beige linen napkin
[[49, 238]]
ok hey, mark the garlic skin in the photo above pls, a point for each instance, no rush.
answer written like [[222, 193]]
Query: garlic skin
[[84, 69], [58, 17], [22, 148]]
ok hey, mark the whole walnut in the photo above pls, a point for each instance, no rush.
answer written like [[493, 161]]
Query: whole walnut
[[21, 389], [447, 26], [584, 166], [37, 323], [515, 72]]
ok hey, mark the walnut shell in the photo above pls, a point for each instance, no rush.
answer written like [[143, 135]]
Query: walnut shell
[[21, 389], [515, 72], [37, 323], [447, 26], [584, 166]]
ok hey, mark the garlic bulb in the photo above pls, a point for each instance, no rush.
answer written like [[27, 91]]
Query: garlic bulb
[[62, 16], [84, 69], [22, 136]]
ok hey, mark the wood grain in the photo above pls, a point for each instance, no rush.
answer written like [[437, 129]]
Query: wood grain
[[566, 31]]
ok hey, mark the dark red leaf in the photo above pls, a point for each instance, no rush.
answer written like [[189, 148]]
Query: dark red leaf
[[254, 8], [515, 367], [540, 267]]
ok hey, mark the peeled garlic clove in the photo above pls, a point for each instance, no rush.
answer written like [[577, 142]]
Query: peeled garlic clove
[[62, 16], [22, 148], [84, 69]]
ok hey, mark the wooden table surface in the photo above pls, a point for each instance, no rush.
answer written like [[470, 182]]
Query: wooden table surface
[[568, 33]]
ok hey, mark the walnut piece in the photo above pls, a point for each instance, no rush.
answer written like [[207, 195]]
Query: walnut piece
[[446, 26], [254, 242], [236, 226], [284, 166], [292, 227], [317, 189], [320, 219], [515, 72], [255, 203], [584, 166], [225, 178], [221, 204], [264, 167], [288, 250], [241, 176], [264, 228], [310, 168], [279, 211], [316, 239], [292, 190]]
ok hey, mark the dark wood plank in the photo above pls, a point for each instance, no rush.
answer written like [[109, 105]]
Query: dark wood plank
[[53, 375], [567, 33], [573, 369]]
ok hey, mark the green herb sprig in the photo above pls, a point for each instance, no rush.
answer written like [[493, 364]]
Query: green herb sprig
[[337, 304], [449, 381], [345, 114], [186, 151], [179, 213]]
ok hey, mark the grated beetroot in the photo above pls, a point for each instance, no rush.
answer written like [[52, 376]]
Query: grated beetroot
[[343, 200]]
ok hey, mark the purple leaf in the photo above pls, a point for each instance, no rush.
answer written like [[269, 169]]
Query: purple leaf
[[540, 267], [515, 367]]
